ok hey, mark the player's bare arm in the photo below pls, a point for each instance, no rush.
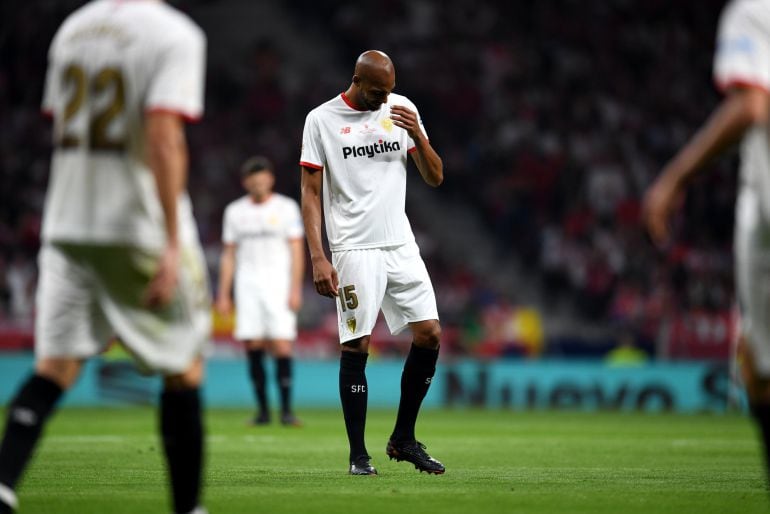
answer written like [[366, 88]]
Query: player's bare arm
[[425, 157], [224, 302], [324, 275], [742, 108], [167, 158], [297, 250]]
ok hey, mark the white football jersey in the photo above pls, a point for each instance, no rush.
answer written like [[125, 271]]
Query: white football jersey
[[743, 59], [261, 233], [363, 155], [111, 62]]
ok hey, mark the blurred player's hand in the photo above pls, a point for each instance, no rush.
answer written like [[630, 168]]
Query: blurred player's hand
[[406, 119], [224, 305], [295, 299], [325, 278], [659, 201], [162, 287]]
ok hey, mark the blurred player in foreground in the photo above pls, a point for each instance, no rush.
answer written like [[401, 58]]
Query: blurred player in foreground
[[264, 251], [742, 71], [120, 249], [356, 145]]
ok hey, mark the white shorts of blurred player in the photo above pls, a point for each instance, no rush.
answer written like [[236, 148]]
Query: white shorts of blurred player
[[87, 294], [263, 314], [752, 276], [393, 279]]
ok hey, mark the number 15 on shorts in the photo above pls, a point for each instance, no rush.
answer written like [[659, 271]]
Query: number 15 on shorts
[[348, 298]]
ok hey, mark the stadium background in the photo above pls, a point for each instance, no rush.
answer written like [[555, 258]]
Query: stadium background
[[551, 116]]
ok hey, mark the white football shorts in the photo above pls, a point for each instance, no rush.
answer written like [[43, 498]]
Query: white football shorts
[[88, 293], [393, 279], [261, 314], [752, 277]]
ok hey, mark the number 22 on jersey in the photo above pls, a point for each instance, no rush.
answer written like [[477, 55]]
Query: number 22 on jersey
[[83, 91]]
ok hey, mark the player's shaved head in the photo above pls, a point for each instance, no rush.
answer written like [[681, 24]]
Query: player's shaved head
[[374, 78], [374, 65]]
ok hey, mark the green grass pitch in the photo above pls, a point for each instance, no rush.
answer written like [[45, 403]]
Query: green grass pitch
[[107, 461]]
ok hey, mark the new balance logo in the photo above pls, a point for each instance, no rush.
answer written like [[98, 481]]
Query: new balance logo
[[371, 150], [24, 416]]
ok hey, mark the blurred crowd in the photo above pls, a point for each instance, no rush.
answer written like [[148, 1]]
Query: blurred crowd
[[552, 118]]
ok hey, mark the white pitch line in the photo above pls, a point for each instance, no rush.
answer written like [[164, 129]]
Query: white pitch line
[[86, 439]]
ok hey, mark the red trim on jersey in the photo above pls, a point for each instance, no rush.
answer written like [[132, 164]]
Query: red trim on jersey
[[351, 104], [310, 165], [47, 113], [189, 118], [741, 83], [410, 150]]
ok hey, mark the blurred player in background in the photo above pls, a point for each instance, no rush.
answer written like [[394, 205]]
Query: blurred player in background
[[120, 248], [264, 252], [356, 145], [742, 71]]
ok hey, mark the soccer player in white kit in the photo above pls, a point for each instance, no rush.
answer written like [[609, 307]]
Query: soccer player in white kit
[[354, 153], [742, 71], [263, 253], [120, 253]]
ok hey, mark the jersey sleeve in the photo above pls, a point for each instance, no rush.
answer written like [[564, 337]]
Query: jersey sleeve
[[743, 48], [51, 87], [229, 234], [413, 107], [294, 227], [178, 82], [312, 155]]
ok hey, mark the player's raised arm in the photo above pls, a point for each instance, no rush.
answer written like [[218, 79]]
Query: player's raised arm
[[424, 156], [742, 108], [167, 158], [324, 274]]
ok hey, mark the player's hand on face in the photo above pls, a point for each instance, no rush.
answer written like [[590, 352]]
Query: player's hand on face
[[325, 278], [406, 119], [162, 286], [656, 209]]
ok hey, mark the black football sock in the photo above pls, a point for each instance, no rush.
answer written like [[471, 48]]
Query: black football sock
[[27, 415], [257, 373], [182, 431], [354, 396], [761, 414], [418, 373], [283, 375]]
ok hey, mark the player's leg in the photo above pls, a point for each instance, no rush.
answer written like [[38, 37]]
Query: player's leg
[[354, 396], [181, 429], [69, 327], [255, 351], [27, 415], [169, 341], [410, 301], [250, 328], [419, 368], [416, 378], [362, 280], [284, 360]]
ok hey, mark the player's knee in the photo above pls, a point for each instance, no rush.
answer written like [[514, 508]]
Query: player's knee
[[428, 335], [360, 345], [189, 379], [63, 372]]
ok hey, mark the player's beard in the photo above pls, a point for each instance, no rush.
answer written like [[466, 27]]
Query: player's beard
[[372, 106]]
